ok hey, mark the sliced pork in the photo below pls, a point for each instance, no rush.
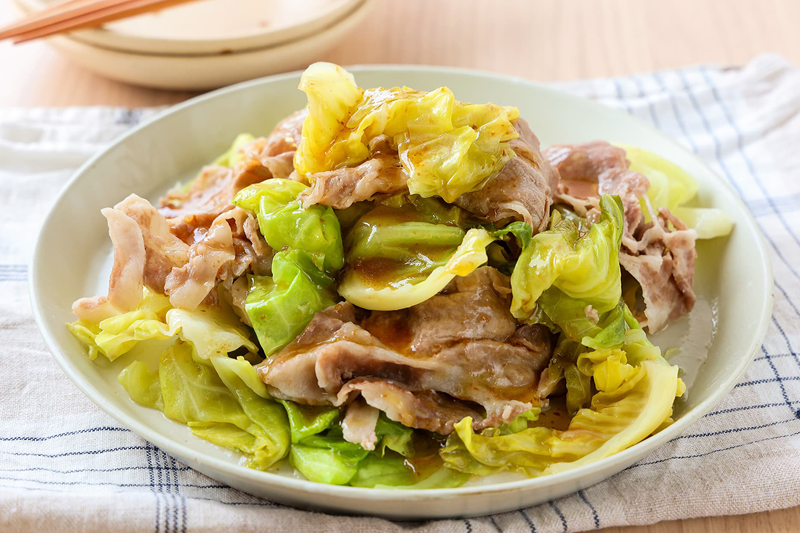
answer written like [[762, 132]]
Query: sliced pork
[[524, 188], [127, 274], [427, 410], [359, 423], [190, 284], [659, 254], [382, 173], [486, 367]]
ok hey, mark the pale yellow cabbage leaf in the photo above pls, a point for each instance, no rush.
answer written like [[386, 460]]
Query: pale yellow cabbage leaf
[[447, 147], [672, 187]]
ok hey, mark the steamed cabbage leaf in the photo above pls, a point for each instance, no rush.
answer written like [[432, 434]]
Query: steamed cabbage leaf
[[672, 187], [326, 459], [584, 268], [281, 306], [332, 97], [617, 419], [394, 436], [214, 401], [404, 239], [210, 330], [286, 224], [469, 255], [308, 420], [447, 147]]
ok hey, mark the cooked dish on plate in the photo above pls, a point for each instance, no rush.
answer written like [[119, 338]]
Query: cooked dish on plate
[[397, 289]]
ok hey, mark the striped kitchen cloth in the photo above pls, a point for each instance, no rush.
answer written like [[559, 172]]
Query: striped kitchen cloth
[[66, 466]]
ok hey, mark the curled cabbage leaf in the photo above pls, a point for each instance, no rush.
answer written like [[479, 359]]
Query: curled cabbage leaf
[[281, 306], [447, 147], [286, 224], [617, 419], [403, 240], [672, 187], [584, 268], [212, 398], [332, 96], [210, 330], [469, 255]]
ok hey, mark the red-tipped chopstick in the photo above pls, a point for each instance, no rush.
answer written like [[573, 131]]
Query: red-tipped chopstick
[[78, 14]]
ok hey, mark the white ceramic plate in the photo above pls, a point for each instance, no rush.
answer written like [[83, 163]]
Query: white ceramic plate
[[72, 259], [203, 72], [214, 26]]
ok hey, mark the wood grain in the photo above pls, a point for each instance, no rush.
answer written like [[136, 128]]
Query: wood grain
[[545, 40]]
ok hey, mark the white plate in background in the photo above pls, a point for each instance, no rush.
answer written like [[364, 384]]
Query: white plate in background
[[206, 27], [733, 275], [203, 72]]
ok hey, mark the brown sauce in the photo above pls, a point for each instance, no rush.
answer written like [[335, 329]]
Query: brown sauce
[[556, 416]]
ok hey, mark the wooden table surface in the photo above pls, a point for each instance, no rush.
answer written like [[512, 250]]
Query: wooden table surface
[[545, 40]]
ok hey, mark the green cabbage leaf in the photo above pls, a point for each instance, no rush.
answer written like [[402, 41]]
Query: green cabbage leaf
[[214, 401], [286, 224], [281, 306], [584, 268], [361, 290]]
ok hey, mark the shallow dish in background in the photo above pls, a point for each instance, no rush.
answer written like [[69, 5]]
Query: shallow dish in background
[[203, 72], [72, 258], [213, 26]]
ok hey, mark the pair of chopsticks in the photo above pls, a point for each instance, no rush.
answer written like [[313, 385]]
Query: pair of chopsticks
[[78, 14]]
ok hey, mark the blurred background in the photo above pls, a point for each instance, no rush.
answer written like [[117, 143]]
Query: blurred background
[[229, 40]]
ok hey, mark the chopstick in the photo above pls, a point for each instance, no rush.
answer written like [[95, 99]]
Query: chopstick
[[78, 14]]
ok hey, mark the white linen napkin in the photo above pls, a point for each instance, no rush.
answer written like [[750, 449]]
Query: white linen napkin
[[65, 465]]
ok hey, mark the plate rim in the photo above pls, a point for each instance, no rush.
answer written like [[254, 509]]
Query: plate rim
[[239, 471]]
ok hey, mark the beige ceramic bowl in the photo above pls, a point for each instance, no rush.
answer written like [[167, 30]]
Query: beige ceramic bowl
[[163, 68], [72, 259], [206, 27]]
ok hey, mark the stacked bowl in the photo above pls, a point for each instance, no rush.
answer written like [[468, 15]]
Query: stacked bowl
[[210, 43]]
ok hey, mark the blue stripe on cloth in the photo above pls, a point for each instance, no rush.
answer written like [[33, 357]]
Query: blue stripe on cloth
[[494, 523], [149, 458], [67, 454], [85, 470], [528, 520], [66, 434], [748, 408], [621, 96], [183, 514], [674, 104], [560, 515], [697, 455], [765, 380], [788, 342], [774, 356], [468, 525], [582, 496], [778, 378], [104, 483], [740, 146], [736, 430], [726, 170], [650, 104]]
